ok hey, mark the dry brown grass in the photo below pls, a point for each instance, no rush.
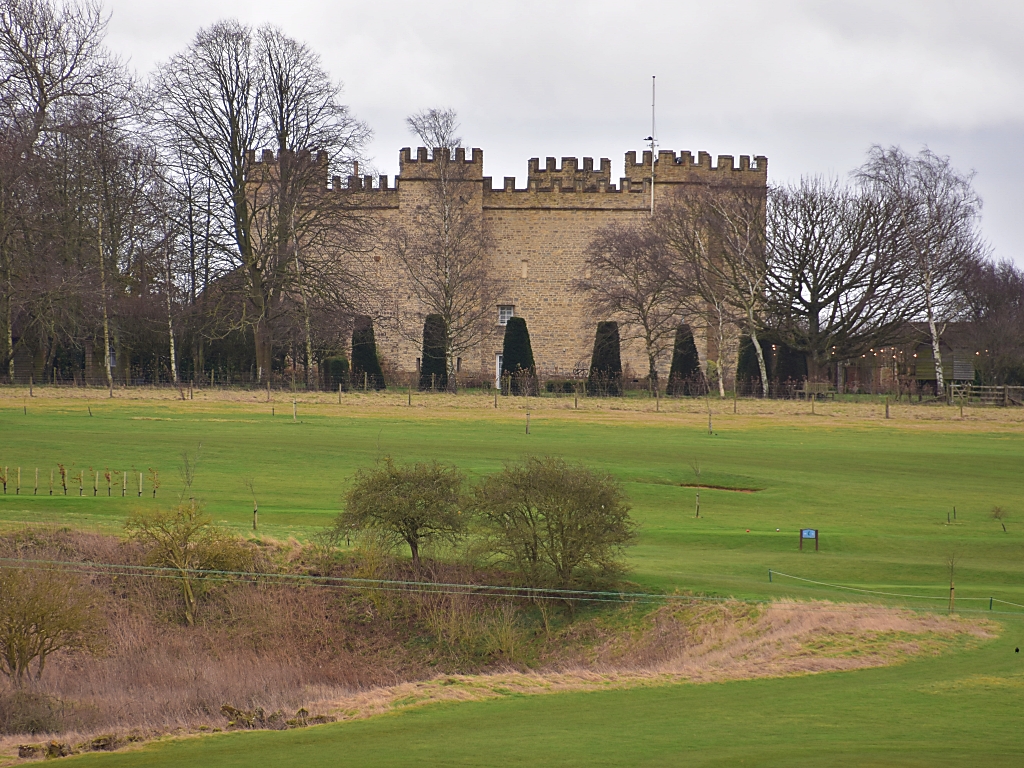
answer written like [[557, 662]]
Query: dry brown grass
[[235, 404]]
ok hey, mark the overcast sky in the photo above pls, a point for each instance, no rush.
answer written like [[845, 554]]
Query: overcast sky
[[809, 84]]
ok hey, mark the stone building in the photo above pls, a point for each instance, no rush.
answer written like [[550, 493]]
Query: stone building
[[535, 243]]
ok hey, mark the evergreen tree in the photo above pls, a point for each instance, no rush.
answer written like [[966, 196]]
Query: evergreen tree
[[517, 358], [685, 368], [365, 359], [434, 362], [335, 372], [606, 362]]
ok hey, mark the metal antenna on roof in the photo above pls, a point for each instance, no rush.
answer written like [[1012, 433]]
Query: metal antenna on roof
[[653, 139]]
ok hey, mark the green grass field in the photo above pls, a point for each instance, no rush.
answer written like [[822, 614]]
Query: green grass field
[[878, 490]]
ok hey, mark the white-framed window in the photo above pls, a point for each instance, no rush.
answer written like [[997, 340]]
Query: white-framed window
[[505, 311]]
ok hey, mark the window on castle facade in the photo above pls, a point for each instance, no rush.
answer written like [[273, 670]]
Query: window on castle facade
[[505, 311]]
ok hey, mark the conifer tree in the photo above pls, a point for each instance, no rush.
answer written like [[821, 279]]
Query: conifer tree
[[365, 359], [433, 365], [606, 362], [685, 361], [517, 358]]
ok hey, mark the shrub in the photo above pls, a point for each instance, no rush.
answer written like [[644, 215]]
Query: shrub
[[365, 357], [434, 360], [606, 362], [555, 524], [335, 372], [517, 358], [186, 540], [560, 386], [685, 370], [42, 611], [415, 503]]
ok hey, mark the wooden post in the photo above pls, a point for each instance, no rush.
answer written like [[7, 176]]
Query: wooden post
[[812, 403], [366, 380], [35, 491], [339, 393], [887, 407], [576, 401], [255, 515], [17, 486], [140, 485], [96, 484], [111, 385], [735, 396], [191, 386], [81, 482], [295, 410], [410, 394], [32, 394], [124, 484], [527, 422], [51, 482], [495, 397], [1006, 395], [268, 389], [432, 383]]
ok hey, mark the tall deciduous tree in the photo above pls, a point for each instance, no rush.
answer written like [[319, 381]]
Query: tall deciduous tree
[[442, 249], [633, 277], [939, 235], [836, 283]]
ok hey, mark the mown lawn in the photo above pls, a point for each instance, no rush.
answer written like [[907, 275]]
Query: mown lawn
[[878, 490], [962, 708]]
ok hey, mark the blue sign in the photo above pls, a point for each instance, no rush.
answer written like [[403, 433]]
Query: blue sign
[[809, 533]]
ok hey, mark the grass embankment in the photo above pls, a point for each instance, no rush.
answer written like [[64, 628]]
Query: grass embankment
[[878, 490], [961, 708]]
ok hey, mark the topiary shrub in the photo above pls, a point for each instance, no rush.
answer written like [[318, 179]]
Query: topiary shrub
[[517, 358], [335, 373], [606, 362], [685, 376], [434, 362], [365, 358]]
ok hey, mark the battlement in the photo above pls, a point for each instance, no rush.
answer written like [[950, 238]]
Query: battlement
[[268, 158], [670, 167], [425, 164], [570, 176]]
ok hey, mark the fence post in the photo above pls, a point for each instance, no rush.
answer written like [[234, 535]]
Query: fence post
[[769, 575]]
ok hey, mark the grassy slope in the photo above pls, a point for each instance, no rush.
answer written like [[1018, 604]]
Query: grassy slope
[[879, 491], [964, 708]]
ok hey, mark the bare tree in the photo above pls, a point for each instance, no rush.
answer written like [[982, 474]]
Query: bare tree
[[939, 214], [836, 282], [442, 248], [632, 277], [209, 104], [993, 295]]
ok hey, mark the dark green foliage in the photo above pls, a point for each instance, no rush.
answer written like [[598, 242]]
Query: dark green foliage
[[414, 503], [517, 358], [365, 359], [686, 377], [335, 373], [606, 362], [560, 386], [787, 363], [554, 523], [434, 362]]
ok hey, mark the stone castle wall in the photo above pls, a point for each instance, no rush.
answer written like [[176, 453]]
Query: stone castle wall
[[536, 239]]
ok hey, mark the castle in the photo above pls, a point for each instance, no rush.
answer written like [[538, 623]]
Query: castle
[[536, 239]]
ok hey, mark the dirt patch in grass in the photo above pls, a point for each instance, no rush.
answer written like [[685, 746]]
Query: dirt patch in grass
[[720, 488]]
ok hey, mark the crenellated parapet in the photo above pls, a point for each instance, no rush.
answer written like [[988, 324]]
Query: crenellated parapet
[[571, 175], [682, 168], [427, 165]]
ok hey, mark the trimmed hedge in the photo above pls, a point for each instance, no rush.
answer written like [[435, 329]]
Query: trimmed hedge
[[606, 361], [517, 358], [365, 358], [335, 373], [434, 360], [685, 376]]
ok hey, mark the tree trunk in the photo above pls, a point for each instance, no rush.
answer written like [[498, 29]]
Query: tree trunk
[[940, 383], [760, 360], [261, 335], [414, 547], [170, 325], [106, 319]]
